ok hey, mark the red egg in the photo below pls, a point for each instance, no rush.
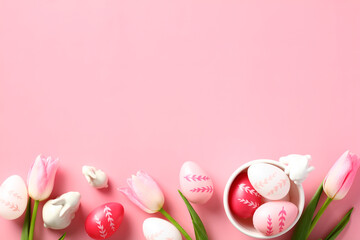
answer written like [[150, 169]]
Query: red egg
[[104, 220], [243, 198]]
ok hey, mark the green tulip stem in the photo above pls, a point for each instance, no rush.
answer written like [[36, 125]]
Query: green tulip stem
[[318, 215], [172, 220], [33, 220]]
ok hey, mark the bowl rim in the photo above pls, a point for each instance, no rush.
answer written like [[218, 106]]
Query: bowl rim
[[229, 215]]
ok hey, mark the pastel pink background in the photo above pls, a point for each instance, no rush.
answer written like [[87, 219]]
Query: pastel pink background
[[129, 85]]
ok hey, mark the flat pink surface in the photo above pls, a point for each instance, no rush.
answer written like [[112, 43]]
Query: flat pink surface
[[129, 85]]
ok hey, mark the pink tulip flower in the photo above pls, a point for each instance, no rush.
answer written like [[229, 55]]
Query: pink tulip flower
[[144, 192], [41, 177], [341, 176]]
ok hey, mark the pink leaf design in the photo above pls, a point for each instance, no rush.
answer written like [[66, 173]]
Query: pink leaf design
[[282, 218], [249, 203], [277, 187], [108, 214], [102, 231], [156, 235], [269, 227], [265, 181], [13, 206], [270, 193], [207, 189], [194, 178], [245, 188], [15, 194]]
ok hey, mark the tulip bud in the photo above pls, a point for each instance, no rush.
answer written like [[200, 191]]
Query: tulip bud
[[144, 192], [341, 176], [41, 177]]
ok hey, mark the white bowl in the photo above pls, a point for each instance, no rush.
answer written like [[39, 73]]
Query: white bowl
[[246, 225]]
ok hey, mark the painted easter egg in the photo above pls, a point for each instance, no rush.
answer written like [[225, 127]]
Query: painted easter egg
[[104, 220], [274, 217], [13, 197], [268, 180], [195, 184], [160, 229], [243, 198]]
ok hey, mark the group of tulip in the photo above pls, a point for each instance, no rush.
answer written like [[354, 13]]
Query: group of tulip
[[336, 185], [146, 194], [143, 191], [40, 185]]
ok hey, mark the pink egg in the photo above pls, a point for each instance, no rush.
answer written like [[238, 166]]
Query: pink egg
[[243, 198], [274, 217], [195, 184], [104, 220]]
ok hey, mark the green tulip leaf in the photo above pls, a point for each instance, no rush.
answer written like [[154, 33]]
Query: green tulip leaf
[[303, 225], [200, 232], [27, 220], [341, 225], [62, 237]]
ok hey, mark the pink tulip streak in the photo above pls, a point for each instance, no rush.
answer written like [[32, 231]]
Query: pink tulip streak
[[41, 177], [338, 181], [40, 184]]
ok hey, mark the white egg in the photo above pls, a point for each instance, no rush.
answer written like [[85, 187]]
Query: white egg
[[160, 229], [195, 184], [269, 181], [13, 197]]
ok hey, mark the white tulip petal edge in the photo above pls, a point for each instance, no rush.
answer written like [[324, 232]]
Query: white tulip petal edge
[[58, 213], [95, 177], [297, 167]]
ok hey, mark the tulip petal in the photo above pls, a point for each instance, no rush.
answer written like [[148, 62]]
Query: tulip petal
[[349, 179], [51, 168], [35, 187], [144, 192], [149, 181], [130, 194], [341, 176], [148, 192], [336, 177], [41, 177]]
